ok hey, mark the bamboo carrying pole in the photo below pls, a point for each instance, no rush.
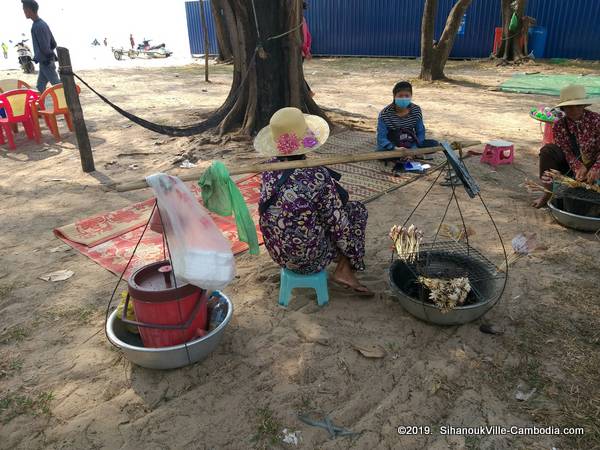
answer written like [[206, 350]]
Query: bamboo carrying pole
[[306, 163], [72, 98]]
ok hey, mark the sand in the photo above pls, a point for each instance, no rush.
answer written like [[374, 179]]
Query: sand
[[64, 386]]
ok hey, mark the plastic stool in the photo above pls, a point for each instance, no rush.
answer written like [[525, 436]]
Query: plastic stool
[[290, 280], [498, 152]]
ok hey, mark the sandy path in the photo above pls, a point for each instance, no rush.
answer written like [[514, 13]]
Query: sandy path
[[64, 386]]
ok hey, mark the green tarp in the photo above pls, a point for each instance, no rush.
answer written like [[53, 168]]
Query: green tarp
[[550, 84]]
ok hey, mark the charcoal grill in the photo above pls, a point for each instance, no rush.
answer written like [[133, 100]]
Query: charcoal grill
[[447, 260], [578, 201]]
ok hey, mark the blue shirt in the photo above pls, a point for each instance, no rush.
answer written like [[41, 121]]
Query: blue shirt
[[43, 42], [388, 120]]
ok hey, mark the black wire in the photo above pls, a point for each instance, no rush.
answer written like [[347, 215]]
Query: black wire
[[123, 274], [439, 168], [462, 219], [503, 248], [168, 130], [423, 198]]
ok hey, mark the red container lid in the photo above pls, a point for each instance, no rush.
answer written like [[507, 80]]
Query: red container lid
[[156, 283]]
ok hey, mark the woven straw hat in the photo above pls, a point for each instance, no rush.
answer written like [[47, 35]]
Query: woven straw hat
[[290, 132], [573, 95]]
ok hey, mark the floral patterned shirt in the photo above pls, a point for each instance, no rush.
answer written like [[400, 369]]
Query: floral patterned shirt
[[587, 132], [308, 223]]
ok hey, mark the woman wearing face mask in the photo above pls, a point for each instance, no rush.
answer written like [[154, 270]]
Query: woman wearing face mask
[[400, 124]]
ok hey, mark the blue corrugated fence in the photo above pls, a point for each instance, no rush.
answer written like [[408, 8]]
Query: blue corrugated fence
[[195, 32], [393, 27]]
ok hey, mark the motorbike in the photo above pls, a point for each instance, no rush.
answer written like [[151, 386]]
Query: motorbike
[[144, 50], [25, 58]]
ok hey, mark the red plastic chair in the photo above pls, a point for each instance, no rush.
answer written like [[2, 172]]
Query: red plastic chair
[[10, 84], [17, 108], [58, 107]]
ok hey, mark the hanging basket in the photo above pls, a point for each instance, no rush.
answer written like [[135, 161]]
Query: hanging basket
[[456, 261], [447, 260]]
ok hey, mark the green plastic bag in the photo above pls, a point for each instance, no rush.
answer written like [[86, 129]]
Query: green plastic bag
[[514, 23], [222, 196]]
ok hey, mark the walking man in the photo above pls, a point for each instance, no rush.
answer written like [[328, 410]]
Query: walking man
[[132, 41], [43, 46], [5, 50]]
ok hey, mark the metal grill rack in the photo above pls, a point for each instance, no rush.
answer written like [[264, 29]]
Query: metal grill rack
[[451, 259], [586, 195]]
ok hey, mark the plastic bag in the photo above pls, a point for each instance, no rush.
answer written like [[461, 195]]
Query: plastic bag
[[222, 196], [200, 254]]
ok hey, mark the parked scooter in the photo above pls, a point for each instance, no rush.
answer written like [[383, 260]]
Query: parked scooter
[[25, 57]]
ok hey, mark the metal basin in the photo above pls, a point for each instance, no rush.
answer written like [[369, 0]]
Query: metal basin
[[165, 357], [487, 287], [570, 220]]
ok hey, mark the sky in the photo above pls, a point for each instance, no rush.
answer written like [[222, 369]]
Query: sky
[[76, 23]]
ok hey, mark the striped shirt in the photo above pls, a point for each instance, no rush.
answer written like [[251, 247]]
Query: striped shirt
[[390, 122], [394, 122]]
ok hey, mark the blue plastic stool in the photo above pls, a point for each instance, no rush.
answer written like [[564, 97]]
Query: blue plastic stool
[[290, 280]]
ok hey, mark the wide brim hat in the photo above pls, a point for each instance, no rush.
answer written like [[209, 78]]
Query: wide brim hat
[[290, 132], [575, 95]]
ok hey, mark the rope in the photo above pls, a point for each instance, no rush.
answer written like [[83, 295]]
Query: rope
[[191, 130], [166, 129], [286, 33]]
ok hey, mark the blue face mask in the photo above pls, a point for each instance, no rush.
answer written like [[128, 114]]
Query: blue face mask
[[402, 102]]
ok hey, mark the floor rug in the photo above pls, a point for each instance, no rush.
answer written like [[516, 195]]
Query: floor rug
[[550, 84], [110, 238], [366, 180]]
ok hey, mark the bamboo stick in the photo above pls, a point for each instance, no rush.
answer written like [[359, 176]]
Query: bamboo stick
[[306, 163]]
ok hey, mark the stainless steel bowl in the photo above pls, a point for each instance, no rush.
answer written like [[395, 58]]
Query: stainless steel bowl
[[491, 289], [165, 357], [570, 220]]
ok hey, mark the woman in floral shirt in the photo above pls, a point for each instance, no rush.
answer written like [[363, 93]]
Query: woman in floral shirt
[[576, 148], [305, 218]]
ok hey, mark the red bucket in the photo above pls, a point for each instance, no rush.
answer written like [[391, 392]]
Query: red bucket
[[166, 315]]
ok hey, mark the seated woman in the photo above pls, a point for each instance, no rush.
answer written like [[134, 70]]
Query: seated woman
[[305, 217], [576, 148], [400, 124]]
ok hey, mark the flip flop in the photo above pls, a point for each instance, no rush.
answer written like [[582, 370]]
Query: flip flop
[[359, 293]]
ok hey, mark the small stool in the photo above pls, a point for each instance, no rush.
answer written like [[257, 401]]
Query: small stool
[[498, 152], [290, 280]]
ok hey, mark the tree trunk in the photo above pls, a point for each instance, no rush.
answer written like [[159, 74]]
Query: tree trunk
[[511, 49], [268, 71], [435, 56], [223, 42], [427, 34]]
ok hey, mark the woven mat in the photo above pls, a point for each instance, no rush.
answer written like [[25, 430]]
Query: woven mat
[[109, 239], [366, 180]]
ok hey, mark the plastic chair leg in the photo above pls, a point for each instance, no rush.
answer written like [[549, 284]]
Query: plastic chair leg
[[69, 121], [10, 137], [54, 127], [14, 127], [28, 126], [284, 290], [322, 290]]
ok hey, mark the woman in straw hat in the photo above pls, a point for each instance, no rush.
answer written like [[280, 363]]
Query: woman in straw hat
[[305, 216], [576, 148]]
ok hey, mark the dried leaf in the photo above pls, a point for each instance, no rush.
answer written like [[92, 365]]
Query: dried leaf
[[370, 351], [59, 275]]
